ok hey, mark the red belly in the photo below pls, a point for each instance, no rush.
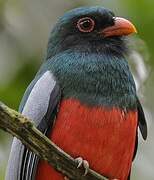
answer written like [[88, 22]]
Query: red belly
[[104, 137]]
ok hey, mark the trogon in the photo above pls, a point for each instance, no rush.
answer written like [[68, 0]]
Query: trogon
[[84, 98]]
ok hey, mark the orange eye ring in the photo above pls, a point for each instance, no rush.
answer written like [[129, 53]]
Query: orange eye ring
[[86, 24]]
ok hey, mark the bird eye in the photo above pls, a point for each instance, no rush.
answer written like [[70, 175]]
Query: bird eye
[[86, 24]]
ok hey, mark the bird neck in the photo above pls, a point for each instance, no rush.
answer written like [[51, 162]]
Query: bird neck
[[115, 46]]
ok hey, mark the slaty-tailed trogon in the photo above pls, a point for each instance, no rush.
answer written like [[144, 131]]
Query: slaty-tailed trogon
[[83, 98]]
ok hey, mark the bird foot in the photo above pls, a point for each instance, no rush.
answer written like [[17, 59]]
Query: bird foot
[[66, 178], [81, 162]]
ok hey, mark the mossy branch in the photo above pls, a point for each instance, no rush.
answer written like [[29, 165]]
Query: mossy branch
[[21, 127]]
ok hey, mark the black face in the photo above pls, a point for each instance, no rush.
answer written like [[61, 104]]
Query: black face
[[85, 21], [82, 27]]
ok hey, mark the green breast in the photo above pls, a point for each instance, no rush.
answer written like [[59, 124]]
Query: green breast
[[94, 79]]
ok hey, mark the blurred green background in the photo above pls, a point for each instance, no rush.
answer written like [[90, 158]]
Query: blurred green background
[[24, 31]]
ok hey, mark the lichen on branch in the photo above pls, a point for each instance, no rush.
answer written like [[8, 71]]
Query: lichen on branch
[[21, 127]]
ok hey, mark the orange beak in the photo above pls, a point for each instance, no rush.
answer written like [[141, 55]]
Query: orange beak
[[121, 27]]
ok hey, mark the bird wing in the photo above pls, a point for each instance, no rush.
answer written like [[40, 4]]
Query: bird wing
[[141, 120], [142, 126], [40, 104]]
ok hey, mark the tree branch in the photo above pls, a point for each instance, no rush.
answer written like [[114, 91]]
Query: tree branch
[[21, 127]]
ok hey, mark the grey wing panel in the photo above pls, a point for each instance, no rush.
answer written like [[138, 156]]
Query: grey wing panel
[[27, 93], [40, 106], [37, 103], [15, 160]]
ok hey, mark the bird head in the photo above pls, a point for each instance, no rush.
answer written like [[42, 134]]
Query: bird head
[[94, 29]]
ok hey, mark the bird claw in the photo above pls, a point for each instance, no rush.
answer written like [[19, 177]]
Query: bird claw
[[81, 162], [66, 178]]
